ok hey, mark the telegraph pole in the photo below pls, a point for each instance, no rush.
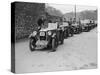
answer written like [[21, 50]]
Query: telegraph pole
[[75, 12]]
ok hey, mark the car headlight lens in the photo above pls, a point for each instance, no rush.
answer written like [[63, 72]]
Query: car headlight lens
[[34, 33], [49, 33]]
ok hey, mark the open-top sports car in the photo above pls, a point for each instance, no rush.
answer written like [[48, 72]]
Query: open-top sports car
[[46, 38], [93, 24], [77, 27], [65, 28], [88, 25]]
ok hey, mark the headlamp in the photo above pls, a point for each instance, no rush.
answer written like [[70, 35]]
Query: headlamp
[[49, 33], [34, 33]]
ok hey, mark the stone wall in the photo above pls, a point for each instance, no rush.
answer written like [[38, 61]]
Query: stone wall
[[26, 15]]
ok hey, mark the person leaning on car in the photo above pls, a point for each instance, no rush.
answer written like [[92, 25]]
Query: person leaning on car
[[41, 22]]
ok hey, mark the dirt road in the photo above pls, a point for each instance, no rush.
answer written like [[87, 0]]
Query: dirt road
[[77, 52]]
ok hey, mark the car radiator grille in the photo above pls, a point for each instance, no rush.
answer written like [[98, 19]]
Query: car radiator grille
[[42, 37]]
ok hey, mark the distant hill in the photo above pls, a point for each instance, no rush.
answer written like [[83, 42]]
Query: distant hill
[[87, 14]]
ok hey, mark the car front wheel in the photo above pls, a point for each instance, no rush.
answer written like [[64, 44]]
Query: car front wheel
[[32, 44], [54, 44], [62, 40]]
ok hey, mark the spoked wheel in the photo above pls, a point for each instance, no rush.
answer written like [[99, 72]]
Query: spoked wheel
[[32, 44], [87, 29], [54, 44], [66, 34], [62, 39], [71, 30]]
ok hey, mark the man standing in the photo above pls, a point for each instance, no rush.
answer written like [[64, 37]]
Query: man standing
[[41, 22]]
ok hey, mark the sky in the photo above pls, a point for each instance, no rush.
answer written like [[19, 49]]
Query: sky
[[65, 8]]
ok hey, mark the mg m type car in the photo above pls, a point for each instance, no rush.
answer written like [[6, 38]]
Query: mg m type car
[[77, 27], [93, 24], [65, 28], [87, 25], [46, 38]]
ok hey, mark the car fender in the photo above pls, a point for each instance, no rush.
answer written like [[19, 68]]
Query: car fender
[[30, 36], [54, 34]]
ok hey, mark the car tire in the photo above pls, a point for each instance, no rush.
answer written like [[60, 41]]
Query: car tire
[[62, 41], [32, 44], [54, 45], [71, 34]]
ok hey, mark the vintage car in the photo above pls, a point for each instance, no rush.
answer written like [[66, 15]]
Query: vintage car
[[93, 24], [86, 25], [65, 28], [77, 28], [46, 38]]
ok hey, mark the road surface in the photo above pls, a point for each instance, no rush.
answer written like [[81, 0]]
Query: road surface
[[77, 52]]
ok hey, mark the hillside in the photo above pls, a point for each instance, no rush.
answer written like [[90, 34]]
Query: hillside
[[87, 14]]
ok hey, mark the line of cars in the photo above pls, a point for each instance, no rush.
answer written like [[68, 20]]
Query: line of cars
[[54, 35], [87, 25]]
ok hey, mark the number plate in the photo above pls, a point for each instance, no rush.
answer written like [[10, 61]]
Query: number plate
[[42, 33]]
